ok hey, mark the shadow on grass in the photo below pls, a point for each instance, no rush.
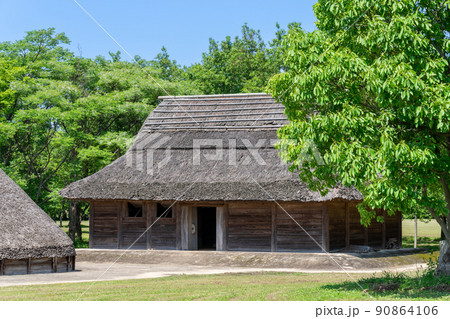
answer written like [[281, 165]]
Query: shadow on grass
[[422, 285]]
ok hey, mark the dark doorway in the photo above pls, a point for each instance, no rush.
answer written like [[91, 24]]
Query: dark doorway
[[206, 217]]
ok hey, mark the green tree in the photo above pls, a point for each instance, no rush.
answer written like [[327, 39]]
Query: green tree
[[371, 89], [244, 64], [63, 117]]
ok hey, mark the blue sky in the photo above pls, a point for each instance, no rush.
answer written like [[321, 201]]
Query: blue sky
[[143, 27]]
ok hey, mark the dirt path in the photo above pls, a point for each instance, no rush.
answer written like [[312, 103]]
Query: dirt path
[[105, 265]]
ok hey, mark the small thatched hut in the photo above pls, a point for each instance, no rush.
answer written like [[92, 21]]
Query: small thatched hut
[[30, 241], [204, 173]]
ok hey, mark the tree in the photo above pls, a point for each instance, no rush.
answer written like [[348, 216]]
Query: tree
[[371, 89], [63, 118], [244, 64]]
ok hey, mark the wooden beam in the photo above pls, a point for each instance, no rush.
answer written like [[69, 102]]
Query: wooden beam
[[274, 227], [347, 225], [91, 223], [383, 231], [325, 228]]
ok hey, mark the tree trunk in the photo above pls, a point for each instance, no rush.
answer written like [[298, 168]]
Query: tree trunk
[[415, 230], [75, 220], [444, 259]]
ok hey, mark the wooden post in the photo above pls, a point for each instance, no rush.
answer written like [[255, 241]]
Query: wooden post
[[347, 225], [2, 267], [221, 228], [150, 213], [325, 228], [399, 238], [225, 225], [55, 264], [274, 227], [184, 232], [91, 223], [177, 210], [383, 231], [123, 206], [415, 230], [28, 265], [68, 263]]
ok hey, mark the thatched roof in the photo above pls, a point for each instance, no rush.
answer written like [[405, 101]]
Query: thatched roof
[[162, 164], [26, 231]]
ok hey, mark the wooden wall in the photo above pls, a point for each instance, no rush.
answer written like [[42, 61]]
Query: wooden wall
[[346, 229], [111, 227], [164, 234], [290, 236], [250, 226], [104, 224], [37, 265]]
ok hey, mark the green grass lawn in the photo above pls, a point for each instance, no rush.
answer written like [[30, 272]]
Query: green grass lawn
[[428, 234], [255, 286], [430, 229]]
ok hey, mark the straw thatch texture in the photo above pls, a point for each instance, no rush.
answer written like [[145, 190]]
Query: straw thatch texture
[[237, 131], [26, 231]]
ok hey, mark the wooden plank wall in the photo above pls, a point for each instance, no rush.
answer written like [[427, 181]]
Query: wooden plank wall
[[105, 224], [346, 229], [291, 237], [357, 233], [133, 229], [37, 265], [375, 233], [164, 232], [249, 226]]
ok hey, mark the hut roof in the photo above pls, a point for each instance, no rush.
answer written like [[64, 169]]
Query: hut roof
[[234, 159], [26, 231]]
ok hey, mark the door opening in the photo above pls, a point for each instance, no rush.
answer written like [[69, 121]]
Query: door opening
[[206, 218]]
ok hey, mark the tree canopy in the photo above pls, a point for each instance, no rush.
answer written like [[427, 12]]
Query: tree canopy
[[371, 89]]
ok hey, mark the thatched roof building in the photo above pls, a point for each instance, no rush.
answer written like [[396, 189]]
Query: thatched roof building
[[211, 151], [28, 234], [239, 123]]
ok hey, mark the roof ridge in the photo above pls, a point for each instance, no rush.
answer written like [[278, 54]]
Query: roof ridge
[[213, 95]]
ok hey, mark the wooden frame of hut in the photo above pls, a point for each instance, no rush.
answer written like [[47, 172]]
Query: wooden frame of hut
[[203, 173], [30, 241]]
